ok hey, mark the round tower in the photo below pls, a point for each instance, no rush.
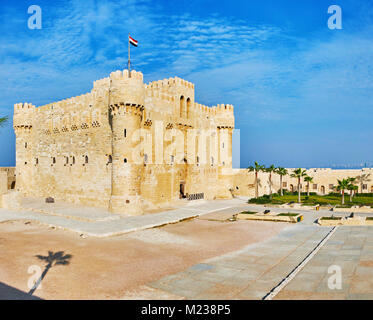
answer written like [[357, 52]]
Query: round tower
[[126, 103], [22, 123]]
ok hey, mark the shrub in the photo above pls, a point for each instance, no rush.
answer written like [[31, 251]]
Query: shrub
[[265, 200], [364, 195]]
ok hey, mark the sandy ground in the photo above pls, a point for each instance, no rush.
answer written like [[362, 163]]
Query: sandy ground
[[108, 268]]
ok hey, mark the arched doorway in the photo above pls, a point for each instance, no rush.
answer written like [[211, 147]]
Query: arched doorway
[[322, 190], [291, 188], [13, 185]]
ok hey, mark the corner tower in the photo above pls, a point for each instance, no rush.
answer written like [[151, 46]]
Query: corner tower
[[126, 103], [23, 120]]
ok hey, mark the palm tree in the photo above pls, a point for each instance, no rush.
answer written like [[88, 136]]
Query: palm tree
[[256, 168], [364, 177], [355, 189], [270, 170], [351, 187], [281, 172], [309, 180], [299, 174], [3, 120], [342, 186]]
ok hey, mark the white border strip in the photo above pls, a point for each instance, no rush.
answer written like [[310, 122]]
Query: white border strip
[[275, 291]]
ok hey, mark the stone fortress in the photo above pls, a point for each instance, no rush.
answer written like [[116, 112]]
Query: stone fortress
[[126, 145], [132, 147]]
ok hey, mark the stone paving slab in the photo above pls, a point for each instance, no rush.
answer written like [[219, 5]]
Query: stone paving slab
[[122, 224], [350, 249], [249, 273], [67, 210]]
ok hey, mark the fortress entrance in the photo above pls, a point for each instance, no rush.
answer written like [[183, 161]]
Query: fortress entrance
[[182, 190]]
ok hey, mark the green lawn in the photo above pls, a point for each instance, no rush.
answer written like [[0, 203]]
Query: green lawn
[[331, 199], [331, 218]]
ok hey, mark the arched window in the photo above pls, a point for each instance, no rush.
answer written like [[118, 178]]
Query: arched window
[[73, 160], [110, 159], [189, 108], [212, 161], [53, 160], [125, 133], [86, 159], [125, 160], [25, 144], [36, 160], [66, 160], [182, 107], [145, 158]]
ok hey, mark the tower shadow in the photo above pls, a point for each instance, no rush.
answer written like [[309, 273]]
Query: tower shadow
[[52, 259]]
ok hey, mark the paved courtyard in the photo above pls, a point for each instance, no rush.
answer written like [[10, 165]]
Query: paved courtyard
[[202, 256], [351, 249]]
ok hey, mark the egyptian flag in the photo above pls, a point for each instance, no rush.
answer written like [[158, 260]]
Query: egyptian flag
[[133, 41]]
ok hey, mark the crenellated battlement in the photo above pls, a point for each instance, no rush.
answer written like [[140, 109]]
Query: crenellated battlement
[[123, 75], [171, 82], [101, 83], [124, 89], [23, 106], [23, 115], [224, 108]]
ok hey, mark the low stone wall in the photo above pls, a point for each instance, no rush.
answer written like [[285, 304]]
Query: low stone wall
[[270, 217], [324, 181], [355, 221], [354, 209]]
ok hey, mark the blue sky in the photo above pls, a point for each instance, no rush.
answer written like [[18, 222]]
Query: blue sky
[[303, 94]]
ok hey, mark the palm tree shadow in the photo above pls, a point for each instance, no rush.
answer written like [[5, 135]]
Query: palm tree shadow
[[52, 259]]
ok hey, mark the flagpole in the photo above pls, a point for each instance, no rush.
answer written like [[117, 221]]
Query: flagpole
[[129, 57]]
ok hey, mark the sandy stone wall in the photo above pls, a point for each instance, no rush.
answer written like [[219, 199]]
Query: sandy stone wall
[[11, 176], [324, 180], [125, 145]]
